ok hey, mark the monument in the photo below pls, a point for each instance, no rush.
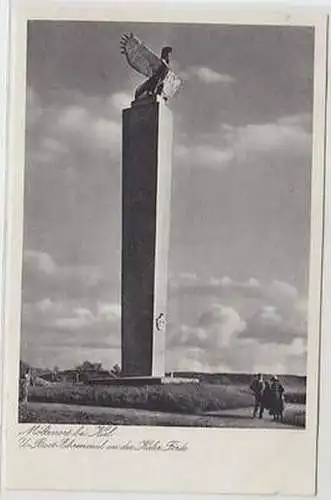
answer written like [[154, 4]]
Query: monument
[[146, 192]]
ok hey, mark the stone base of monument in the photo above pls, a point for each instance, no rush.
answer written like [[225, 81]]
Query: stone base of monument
[[143, 381]]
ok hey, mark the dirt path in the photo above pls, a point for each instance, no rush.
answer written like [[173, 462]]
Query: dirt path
[[61, 413], [245, 415]]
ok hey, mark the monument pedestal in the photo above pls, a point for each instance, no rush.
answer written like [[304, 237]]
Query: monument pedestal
[[143, 381], [146, 193]]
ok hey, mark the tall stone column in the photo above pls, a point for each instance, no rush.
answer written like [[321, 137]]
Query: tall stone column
[[146, 192]]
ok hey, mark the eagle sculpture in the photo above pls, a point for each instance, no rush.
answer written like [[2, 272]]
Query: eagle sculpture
[[161, 79]]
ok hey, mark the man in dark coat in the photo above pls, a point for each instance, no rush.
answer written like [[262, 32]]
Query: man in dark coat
[[257, 387]]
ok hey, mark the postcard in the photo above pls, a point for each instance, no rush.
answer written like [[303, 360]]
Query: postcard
[[164, 249]]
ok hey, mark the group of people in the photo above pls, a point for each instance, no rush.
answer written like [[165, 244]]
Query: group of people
[[268, 395]]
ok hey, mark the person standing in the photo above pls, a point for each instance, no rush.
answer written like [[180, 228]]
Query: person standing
[[257, 387], [277, 394], [266, 396], [26, 386]]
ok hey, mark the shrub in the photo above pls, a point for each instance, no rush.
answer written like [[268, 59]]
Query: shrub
[[295, 397], [296, 417]]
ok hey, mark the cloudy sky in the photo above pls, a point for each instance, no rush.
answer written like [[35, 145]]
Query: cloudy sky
[[239, 249]]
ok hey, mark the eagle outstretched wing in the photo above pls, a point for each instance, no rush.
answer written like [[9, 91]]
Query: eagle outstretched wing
[[140, 57]]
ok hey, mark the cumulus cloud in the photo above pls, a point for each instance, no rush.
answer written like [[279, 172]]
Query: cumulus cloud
[[53, 145], [69, 314], [110, 311], [60, 324], [215, 329], [42, 275], [273, 296], [203, 155], [194, 359], [188, 277], [87, 125], [272, 325], [220, 337], [33, 107], [106, 133], [120, 100], [73, 118], [241, 356], [82, 126], [97, 123], [63, 309], [223, 321], [279, 292], [214, 286], [289, 135], [218, 343], [268, 316], [207, 75], [282, 294], [40, 261], [281, 358]]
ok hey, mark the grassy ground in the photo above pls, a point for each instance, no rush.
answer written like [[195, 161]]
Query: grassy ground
[[167, 405], [295, 397], [180, 398], [63, 414], [296, 417], [58, 413]]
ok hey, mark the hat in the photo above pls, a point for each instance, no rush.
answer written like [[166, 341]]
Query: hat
[[274, 377]]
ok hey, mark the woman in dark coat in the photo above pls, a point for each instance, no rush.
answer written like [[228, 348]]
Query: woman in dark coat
[[266, 396], [277, 398]]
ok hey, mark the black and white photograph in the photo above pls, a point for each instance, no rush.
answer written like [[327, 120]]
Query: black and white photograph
[[167, 203], [164, 249]]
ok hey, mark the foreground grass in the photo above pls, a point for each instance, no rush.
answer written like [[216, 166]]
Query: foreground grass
[[55, 413], [296, 417], [167, 405], [171, 398], [119, 416]]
